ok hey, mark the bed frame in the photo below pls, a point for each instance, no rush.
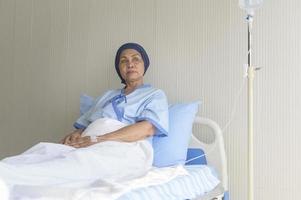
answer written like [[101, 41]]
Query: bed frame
[[216, 157]]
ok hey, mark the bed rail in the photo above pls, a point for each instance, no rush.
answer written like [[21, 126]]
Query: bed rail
[[214, 151]]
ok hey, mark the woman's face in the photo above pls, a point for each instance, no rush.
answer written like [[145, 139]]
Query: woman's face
[[131, 65]]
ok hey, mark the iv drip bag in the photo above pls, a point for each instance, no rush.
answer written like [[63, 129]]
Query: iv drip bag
[[250, 5]]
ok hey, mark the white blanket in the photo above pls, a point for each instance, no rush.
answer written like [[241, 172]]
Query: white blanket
[[104, 171], [99, 189]]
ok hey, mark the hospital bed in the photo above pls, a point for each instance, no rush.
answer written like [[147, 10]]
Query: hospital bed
[[204, 181], [216, 159]]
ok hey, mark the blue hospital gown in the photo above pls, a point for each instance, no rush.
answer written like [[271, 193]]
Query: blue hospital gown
[[144, 103]]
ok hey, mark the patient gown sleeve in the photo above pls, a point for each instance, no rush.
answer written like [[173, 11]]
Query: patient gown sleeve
[[83, 121], [156, 112]]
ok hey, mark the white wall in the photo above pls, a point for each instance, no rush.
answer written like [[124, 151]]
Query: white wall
[[53, 50]]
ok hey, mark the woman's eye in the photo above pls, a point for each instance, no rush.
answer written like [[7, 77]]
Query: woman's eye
[[136, 59], [123, 61]]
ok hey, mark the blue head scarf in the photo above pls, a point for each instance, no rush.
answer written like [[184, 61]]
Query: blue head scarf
[[136, 47]]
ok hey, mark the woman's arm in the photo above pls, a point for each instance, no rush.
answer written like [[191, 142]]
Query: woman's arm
[[131, 133]]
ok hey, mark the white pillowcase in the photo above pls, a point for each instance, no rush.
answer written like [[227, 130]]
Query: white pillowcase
[[102, 126]]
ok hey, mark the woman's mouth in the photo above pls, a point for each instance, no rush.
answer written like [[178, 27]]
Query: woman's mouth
[[130, 72]]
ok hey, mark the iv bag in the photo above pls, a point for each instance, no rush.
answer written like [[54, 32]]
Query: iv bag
[[250, 5]]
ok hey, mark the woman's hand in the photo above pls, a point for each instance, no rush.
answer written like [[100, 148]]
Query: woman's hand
[[72, 137], [82, 142]]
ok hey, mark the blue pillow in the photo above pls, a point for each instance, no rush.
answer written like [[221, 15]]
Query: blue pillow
[[172, 150]]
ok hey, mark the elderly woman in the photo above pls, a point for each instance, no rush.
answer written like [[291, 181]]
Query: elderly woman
[[138, 104], [112, 140]]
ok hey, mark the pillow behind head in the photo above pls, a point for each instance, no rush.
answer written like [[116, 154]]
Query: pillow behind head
[[172, 150]]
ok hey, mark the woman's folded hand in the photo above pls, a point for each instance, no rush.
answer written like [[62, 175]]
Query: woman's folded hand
[[72, 137], [82, 142]]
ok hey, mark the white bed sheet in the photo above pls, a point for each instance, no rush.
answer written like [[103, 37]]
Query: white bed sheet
[[201, 179]]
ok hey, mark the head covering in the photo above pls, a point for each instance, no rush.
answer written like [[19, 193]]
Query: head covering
[[136, 47]]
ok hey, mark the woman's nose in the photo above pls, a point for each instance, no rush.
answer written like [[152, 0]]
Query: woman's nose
[[130, 64]]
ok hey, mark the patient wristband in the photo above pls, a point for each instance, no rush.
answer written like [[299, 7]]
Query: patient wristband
[[93, 139]]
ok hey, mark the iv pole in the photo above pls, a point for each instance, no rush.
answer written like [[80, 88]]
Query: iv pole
[[249, 6], [250, 113]]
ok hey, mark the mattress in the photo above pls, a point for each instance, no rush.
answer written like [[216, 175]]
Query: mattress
[[201, 179]]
